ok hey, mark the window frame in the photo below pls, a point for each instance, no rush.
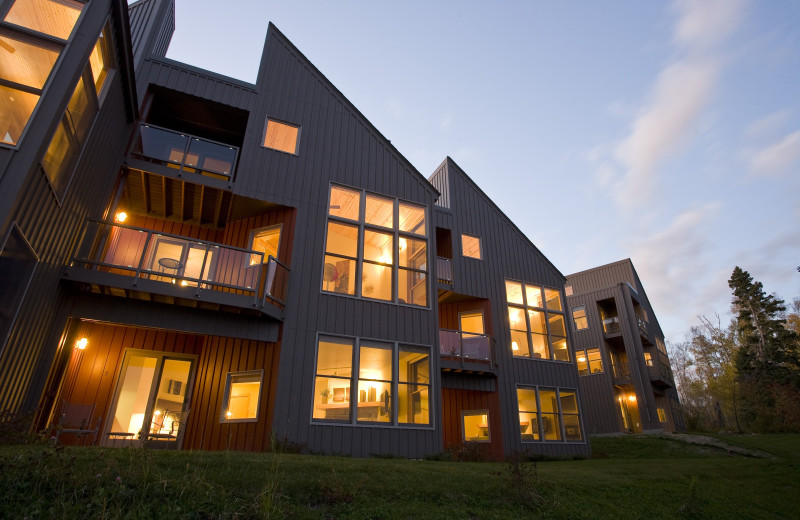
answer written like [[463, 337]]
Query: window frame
[[296, 151], [585, 352], [472, 413], [352, 420], [480, 246], [526, 308], [223, 417], [397, 235], [560, 415], [251, 237], [585, 318]]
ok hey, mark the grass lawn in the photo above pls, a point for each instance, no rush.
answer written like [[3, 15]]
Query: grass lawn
[[629, 477]]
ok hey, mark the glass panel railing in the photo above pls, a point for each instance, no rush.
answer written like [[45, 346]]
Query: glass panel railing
[[465, 345], [187, 152], [449, 343], [611, 325], [181, 261], [444, 270], [642, 325]]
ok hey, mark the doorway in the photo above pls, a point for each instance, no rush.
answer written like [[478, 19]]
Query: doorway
[[151, 401]]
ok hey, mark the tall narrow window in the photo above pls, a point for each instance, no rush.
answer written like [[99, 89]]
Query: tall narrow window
[[569, 414], [413, 387], [551, 421], [281, 136], [332, 383], [374, 382], [528, 416], [471, 246], [265, 240], [26, 60], [375, 248], [579, 317]]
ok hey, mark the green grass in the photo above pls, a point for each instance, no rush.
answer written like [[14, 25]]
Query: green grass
[[629, 477]]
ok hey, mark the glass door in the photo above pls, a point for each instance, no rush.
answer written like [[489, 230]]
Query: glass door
[[151, 401]]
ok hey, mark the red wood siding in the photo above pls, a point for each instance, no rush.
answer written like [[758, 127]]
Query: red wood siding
[[454, 402]]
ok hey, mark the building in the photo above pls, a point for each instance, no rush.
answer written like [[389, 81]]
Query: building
[[199, 262], [625, 375]]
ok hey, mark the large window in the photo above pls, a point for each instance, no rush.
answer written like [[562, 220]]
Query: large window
[[549, 414], [27, 57], [62, 154], [579, 318], [376, 248], [536, 322], [356, 382], [589, 361]]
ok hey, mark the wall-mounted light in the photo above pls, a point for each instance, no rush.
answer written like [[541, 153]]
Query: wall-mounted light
[[120, 217], [229, 414], [81, 343], [632, 398]]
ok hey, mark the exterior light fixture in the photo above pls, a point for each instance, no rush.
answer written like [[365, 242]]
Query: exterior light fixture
[[120, 217], [228, 414], [632, 398], [81, 343]]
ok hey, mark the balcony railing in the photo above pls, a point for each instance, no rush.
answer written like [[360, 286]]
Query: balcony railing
[[186, 152], [642, 325], [611, 325], [621, 372], [660, 372], [191, 267], [444, 270], [466, 346]]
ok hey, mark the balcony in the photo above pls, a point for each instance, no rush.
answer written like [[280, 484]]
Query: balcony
[[465, 351], [444, 270], [642, 325], [660, 374], [621, 373], [611, 325], [184, 153], [144, 264]]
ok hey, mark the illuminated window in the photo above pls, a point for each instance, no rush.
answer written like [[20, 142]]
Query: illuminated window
[[281, 136], [648, 359], [102, 60], [471, 246], [536, 322], [553, 411], [570, 415], [476, 426], [242, 396], [265, 240], [579, 318], [662, 415], [528, 416], [589, 361], [377, 250], [26, 60], [378, 396]]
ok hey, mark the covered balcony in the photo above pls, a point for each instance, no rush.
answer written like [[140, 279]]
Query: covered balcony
[[621, 373], [466, 351], [135, 262]]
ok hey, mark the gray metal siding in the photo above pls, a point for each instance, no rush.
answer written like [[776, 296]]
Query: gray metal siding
[[152, 24]]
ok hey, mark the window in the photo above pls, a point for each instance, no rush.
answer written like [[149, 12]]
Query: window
[[375, 248], [242, 396], [382, 395], [265, 240], [549, 414], [476, 426], [662, 415], [536, 322], [568, 290], [471, 246], [589, 361], [579, 318], [27, 60], [17, 264], [660, 345], [281, 136], [648, 359]]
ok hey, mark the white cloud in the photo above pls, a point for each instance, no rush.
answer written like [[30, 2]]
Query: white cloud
[[767, 125], [678, 97], [777, 157]]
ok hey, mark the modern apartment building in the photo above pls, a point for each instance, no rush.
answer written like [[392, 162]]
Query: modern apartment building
[[194, 261], [625, 375]]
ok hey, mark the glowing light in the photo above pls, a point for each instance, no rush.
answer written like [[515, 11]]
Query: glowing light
[[632, 398], [385, 259], [229, 414], [582, 359], [81, 343], [157, 412], [120, 217], [184, 283], [402, 243], [514, 345]]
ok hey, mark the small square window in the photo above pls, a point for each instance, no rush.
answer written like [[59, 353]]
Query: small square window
[[476, 426], [242, 396], [471, 246], [281, 136]]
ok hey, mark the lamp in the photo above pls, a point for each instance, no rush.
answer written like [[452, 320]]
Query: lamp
[[582, 359], [120, 217], [81, 343], [632, 398], [514, 345]]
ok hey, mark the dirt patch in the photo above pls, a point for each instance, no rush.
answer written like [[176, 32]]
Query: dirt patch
[[704, 440]]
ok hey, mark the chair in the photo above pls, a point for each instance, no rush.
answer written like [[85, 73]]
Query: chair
[[77, 419], [169, 430]]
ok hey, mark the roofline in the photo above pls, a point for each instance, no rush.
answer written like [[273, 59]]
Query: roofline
[[449, 160], [273, 29], [603, 266]]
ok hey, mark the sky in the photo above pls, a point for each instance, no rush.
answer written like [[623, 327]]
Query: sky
[[664, 132]]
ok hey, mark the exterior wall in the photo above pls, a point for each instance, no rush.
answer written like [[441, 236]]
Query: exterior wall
[[51, 223]]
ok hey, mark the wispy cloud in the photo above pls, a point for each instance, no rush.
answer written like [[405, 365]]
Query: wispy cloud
[[680, 93], [768, 125], [776, 158]]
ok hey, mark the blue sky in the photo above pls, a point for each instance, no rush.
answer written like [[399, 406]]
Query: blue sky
[[664, 132]]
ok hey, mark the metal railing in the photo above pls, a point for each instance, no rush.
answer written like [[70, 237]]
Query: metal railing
[[611, 325], [444, 270], [198, 266], [621, 371], [187, 152], [466, 346], [642, 325], [660, 372]]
